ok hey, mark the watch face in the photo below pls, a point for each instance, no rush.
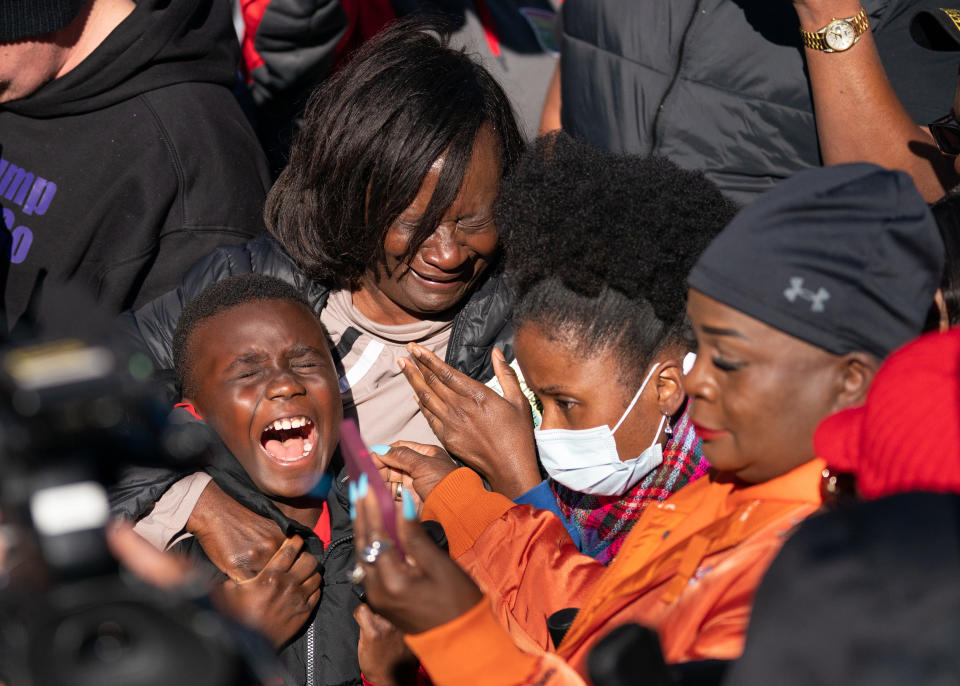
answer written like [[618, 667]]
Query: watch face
[[840, 35]]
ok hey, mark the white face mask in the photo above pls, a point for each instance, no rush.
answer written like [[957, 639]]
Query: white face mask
[[586, 460]]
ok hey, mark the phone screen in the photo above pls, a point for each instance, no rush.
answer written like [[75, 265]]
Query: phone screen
[[358, 460]]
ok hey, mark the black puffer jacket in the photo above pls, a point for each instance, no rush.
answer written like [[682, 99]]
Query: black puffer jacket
[[324, 652], [721, 85], [484, 322]]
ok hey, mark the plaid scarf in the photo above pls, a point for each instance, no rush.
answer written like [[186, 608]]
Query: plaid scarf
[[604, 521]]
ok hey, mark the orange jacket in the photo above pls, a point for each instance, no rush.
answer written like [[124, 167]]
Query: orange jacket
[[689, 568]]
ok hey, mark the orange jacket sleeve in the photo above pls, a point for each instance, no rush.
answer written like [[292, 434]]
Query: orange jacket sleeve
[[464, 507], [522, 558], [475, 649]]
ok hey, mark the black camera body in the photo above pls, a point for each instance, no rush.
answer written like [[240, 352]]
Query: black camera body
[[73, 417]]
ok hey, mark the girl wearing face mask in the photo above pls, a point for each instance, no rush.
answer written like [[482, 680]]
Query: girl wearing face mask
[[608, 449], [598, 257]]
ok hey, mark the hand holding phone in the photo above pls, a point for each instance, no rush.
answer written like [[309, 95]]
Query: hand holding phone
[[358, 461]]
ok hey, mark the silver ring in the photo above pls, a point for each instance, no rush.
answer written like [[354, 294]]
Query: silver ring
[[372, 551], [357, 574]]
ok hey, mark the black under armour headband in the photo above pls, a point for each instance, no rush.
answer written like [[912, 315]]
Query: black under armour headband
[[846, 258]]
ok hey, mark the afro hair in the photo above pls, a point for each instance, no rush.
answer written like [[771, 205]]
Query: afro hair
[[599, 245], [220, 297]]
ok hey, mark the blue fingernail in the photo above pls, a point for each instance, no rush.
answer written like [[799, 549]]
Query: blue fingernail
[[353, 492], [353, 512], [380, 449], [362, 485], [409, 509]]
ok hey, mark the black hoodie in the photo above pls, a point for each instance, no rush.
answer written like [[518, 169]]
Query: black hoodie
[[121, 173]]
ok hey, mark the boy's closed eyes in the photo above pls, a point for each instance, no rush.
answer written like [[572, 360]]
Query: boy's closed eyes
[[261, 375]]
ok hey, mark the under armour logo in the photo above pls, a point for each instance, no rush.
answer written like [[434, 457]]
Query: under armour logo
[[797, 290]]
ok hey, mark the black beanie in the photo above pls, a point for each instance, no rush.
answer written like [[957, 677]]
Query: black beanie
[[847, 258], [30, 18]]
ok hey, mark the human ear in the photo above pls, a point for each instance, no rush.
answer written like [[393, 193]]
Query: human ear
[[857, 370], [670, 393], [191, 406]]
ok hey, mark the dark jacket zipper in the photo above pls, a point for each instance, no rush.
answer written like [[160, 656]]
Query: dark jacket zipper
[[333, 545]]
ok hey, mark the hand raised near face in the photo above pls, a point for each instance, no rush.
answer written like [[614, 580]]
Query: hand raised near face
[[489, 433], [279, 600], [238, 541], [419, 590]]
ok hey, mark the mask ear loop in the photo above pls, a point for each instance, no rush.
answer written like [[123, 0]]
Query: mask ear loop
[[656, 436], [634, 402]]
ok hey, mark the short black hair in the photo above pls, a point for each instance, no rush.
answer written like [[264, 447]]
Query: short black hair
[[220, 297], [599, 245], [947, 213], [368, 139]]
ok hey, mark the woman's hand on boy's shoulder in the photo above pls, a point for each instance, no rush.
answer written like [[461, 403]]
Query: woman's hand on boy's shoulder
[[239, 542], [279, 600]]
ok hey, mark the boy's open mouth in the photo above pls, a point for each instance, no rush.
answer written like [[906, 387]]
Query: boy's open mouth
[[289, 439]]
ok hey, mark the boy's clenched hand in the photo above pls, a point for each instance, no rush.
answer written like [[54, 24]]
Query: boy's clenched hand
[[279, 600]]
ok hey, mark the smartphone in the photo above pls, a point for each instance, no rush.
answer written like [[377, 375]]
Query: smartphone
[[358, 460]]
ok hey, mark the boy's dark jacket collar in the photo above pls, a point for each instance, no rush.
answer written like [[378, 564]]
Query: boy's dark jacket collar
[[327, 646]]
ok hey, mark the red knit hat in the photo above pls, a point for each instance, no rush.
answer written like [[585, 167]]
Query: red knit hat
[[906, 437]]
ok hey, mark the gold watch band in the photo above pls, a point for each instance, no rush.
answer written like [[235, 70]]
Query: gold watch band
[[817, 40]]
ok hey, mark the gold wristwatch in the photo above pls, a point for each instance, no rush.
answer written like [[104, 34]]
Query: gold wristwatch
[[839, 34]]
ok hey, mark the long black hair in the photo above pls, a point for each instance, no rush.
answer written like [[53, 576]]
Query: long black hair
[[370, 135], [599, 247]]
